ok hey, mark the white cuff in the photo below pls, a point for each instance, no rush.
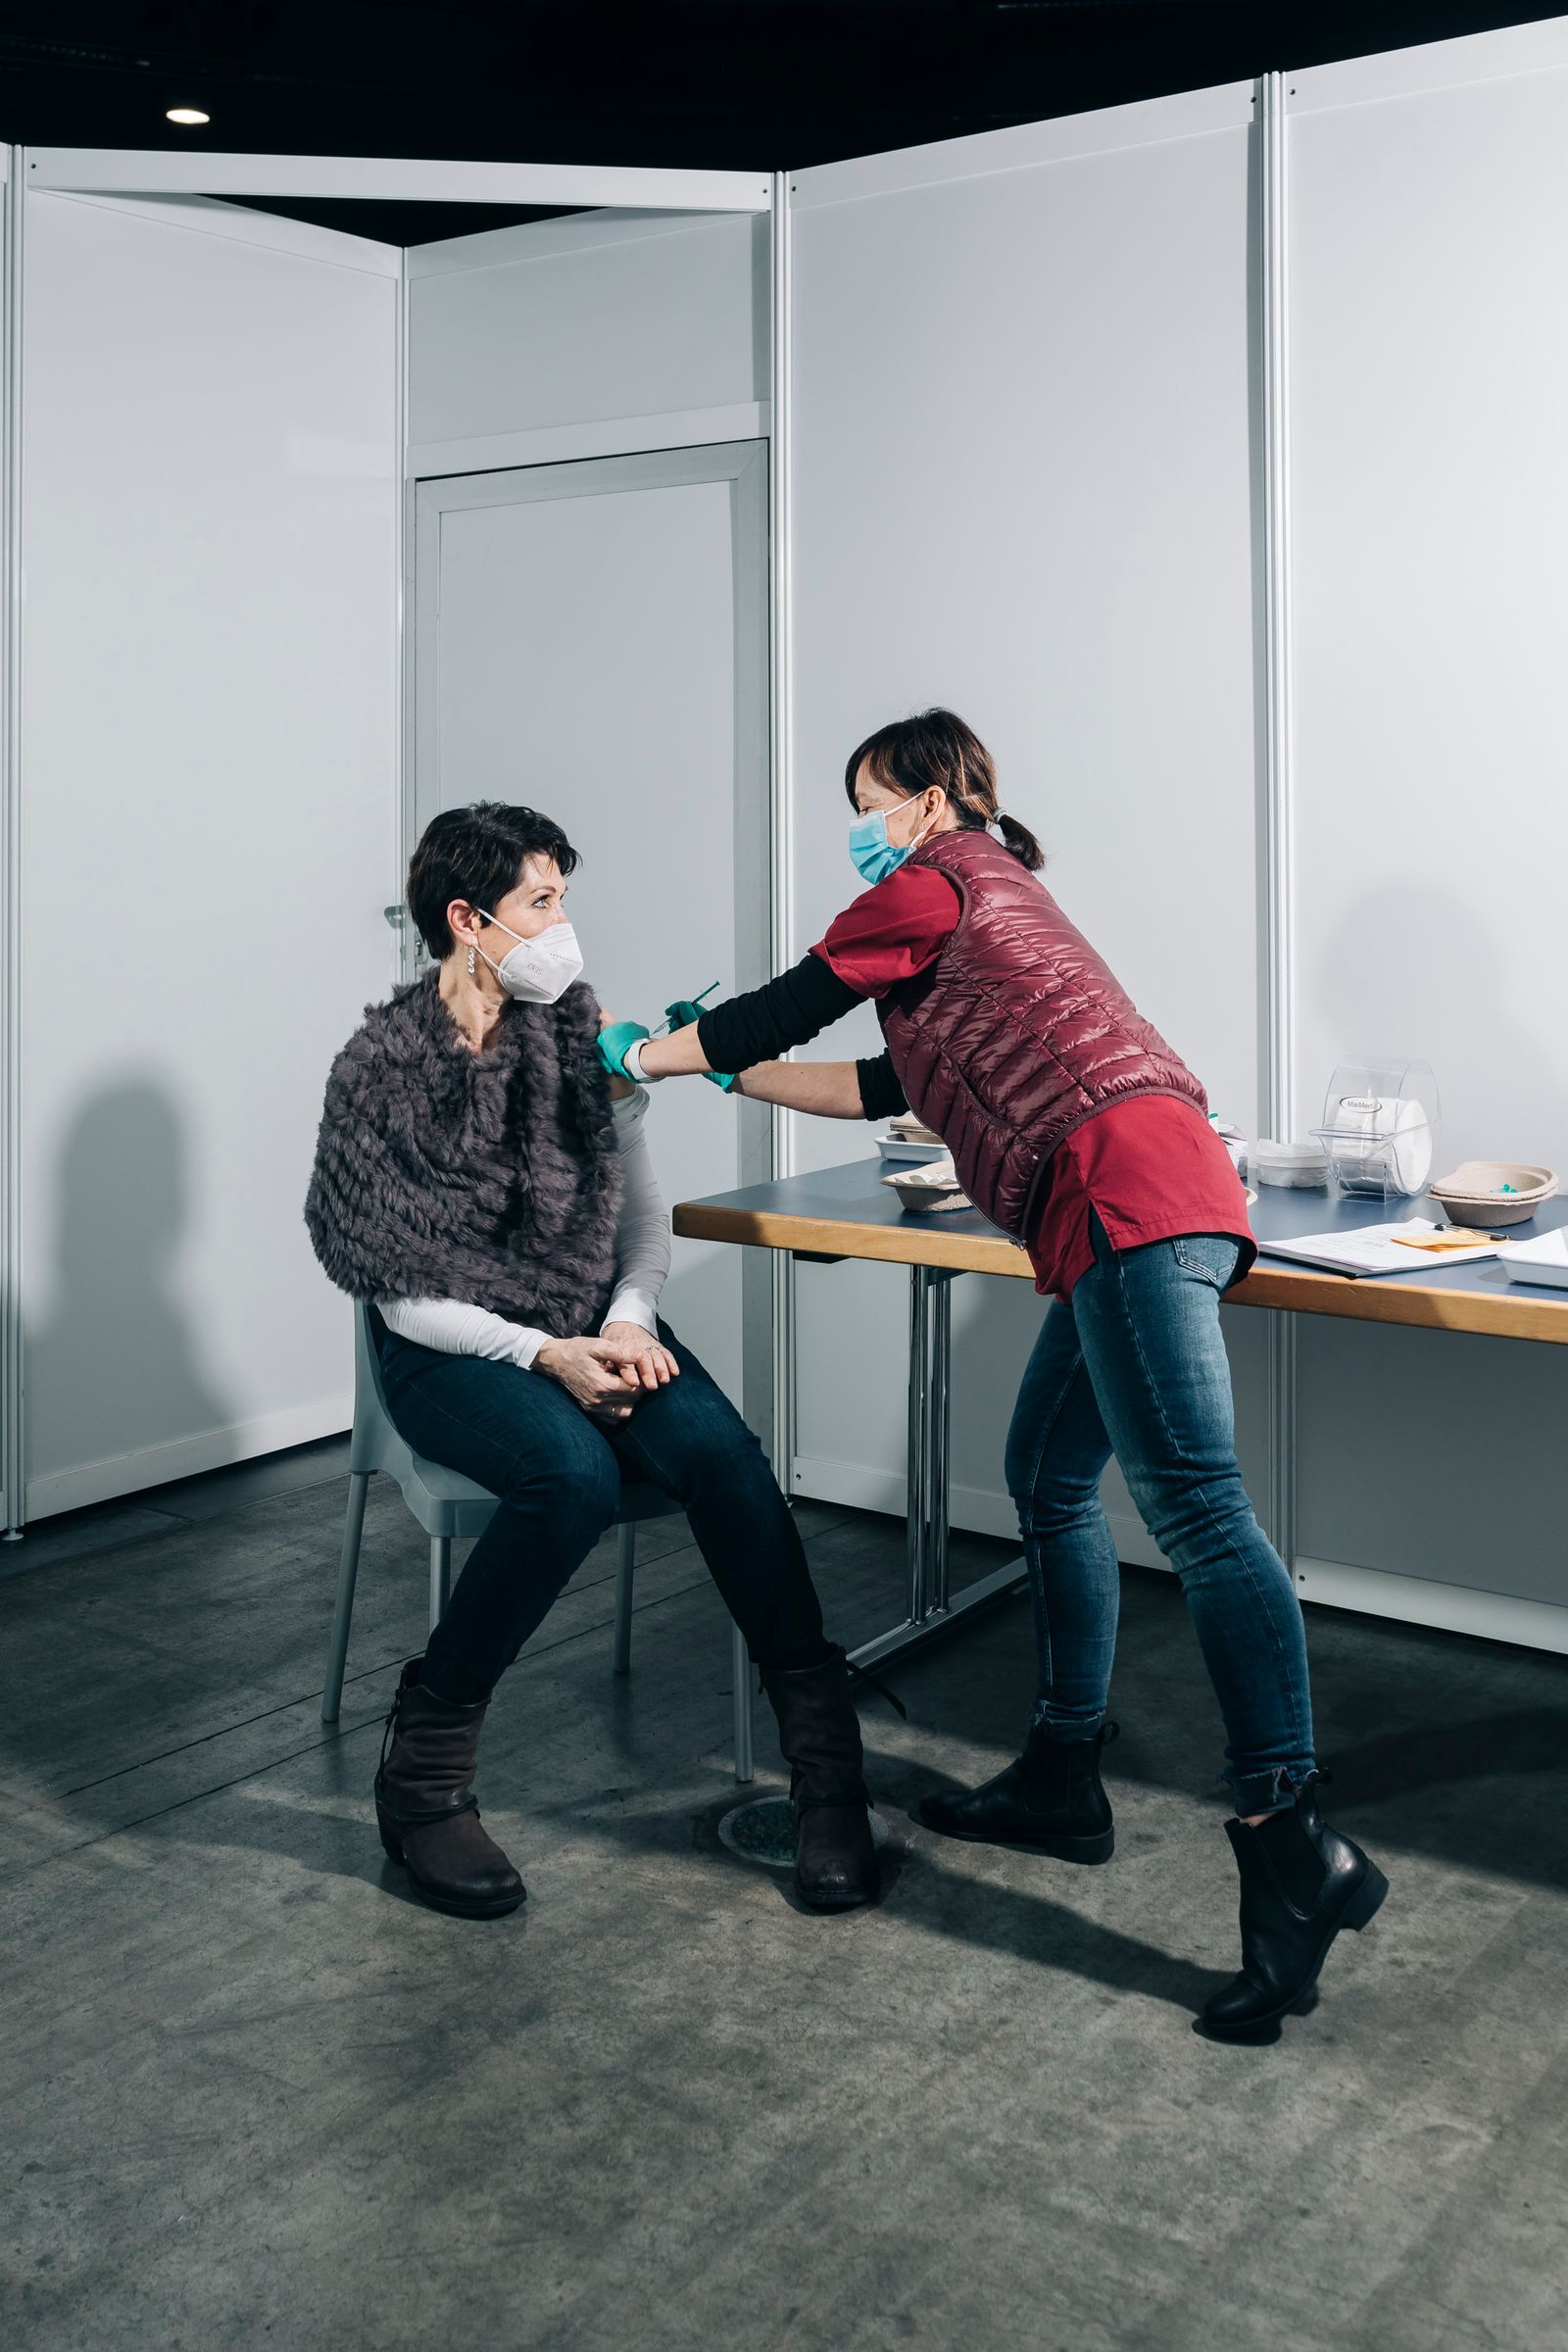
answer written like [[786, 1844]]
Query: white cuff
[[632, 1304], [631, 1061]]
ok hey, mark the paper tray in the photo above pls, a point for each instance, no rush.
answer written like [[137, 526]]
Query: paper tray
[[1542, 1260]]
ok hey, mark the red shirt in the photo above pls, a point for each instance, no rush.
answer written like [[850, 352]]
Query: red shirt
[[1150, 1168]]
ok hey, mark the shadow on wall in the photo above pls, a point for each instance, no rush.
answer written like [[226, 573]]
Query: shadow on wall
[[117, 1364], [1445, 989]]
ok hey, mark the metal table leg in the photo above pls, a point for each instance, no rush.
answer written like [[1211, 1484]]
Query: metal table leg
[[917, 1460], [932, 1606], [939, 1440]]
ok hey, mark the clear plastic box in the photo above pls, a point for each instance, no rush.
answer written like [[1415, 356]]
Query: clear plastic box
[[1381, 1118]]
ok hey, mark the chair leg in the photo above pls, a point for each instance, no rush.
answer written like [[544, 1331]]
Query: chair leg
[[625, 1568], [337, 1648], [741, 1673], [440, 1578]]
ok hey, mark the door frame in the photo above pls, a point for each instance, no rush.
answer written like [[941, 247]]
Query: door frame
[[743, 465]]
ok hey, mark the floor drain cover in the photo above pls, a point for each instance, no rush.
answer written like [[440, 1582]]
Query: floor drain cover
[[764, 1832]]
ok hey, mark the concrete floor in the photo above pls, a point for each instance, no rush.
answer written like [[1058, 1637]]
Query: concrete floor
[[252, 2095]]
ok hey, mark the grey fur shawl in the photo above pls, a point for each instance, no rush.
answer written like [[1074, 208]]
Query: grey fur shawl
[[492, 1177]]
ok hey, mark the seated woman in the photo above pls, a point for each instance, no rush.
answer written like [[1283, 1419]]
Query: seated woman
[[474, 1180]]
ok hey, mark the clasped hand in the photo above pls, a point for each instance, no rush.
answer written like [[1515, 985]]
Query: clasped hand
[[610, 1375]]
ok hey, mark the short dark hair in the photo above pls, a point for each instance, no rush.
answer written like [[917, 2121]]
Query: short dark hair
[[476, 854]]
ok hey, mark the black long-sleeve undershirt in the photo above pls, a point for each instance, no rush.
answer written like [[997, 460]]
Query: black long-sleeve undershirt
[[881, 1094], [791, 1010], [766, 1021]]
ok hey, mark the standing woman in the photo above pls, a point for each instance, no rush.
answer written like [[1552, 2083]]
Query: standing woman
[[1078, 1131]]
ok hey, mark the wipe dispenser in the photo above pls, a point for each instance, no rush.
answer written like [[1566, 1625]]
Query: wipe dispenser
[[1380, 1127]]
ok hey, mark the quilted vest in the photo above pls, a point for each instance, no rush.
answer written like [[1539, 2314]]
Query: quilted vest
[[1017, 1033]]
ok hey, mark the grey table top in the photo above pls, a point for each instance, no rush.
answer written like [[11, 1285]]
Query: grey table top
[[1279, 1214], [851, 1196]]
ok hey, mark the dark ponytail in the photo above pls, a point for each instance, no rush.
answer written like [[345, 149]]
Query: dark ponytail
[[935, 747], [1021, 843]]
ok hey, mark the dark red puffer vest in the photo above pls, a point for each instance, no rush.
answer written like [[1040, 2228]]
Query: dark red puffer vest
[[1017, 1033]]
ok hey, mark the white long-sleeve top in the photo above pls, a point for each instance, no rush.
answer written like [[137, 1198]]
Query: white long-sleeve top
[[642, 1261]]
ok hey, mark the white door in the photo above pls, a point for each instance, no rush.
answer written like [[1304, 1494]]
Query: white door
[[592, 642]]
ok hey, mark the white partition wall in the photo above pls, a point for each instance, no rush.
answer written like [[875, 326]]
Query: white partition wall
[[209, 417], [584, 337], [1428, 196], [1024, 486], [208, 816]]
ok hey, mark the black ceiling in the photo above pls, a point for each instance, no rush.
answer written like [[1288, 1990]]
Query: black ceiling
[[738, 83]]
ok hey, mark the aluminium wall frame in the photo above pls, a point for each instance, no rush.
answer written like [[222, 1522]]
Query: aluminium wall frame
[[1279, 909], [11, 1439]]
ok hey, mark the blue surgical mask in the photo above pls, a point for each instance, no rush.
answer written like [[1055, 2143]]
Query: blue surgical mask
[[871, 854]]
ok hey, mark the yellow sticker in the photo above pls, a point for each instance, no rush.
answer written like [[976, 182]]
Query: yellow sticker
[[1464, 1239]]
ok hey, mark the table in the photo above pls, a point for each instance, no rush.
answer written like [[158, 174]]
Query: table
[[847, 1212]]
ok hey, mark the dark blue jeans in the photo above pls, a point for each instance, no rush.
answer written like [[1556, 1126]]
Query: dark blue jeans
[[1134, 1364], [557, 1477]]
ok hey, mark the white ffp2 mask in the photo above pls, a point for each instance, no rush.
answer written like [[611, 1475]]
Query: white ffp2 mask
[[540, 969]]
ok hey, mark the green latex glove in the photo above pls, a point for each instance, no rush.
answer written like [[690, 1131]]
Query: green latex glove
[[615, 1042], [680, 1016]]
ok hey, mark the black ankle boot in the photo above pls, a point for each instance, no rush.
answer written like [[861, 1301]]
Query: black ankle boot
[[1050, 1801], [426, 1810], [1301, 1882], [819, 1733]]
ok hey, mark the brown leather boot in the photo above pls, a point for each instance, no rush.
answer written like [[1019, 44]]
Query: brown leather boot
[[834, 1863], [425, 1807]]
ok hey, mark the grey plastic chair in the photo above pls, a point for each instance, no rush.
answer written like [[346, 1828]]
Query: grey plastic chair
[[450, 1506]]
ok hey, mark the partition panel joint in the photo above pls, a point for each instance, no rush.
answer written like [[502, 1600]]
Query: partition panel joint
[[781, 772], [1278, 911], [12, 1434]]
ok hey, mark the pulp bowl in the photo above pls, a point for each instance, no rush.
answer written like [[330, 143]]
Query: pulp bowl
[[1495, 1192], [929, 1188]]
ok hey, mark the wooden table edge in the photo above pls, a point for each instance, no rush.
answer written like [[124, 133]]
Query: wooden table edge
[[1503, 1315], [834, 1237]]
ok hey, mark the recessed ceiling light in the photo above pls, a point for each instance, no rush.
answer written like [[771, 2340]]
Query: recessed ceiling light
[[186, 113]]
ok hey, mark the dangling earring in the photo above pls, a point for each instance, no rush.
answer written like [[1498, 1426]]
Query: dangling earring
[[470, 962]]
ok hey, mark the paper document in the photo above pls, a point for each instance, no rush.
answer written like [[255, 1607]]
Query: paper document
[[1401, 1248]]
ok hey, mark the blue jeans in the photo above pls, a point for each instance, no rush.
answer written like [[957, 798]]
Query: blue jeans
[[557, 1477], [1134, 1364]]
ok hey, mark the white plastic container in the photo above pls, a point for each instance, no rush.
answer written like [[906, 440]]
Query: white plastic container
[[1544, 1260], [1234, 1140], [908, 1142], [905, 1150], [1300, 1167]]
